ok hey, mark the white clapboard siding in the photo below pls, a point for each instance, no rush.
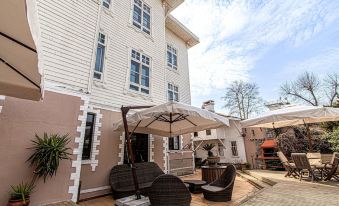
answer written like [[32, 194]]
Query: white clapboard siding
[[67, 33], [122, 37], [181, 76]]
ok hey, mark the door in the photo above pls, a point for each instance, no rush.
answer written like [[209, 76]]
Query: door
[[140, 148]]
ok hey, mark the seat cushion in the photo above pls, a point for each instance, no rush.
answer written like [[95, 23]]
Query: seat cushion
[[212, 188]]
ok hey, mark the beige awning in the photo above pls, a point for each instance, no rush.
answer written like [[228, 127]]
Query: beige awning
[[171, 119], [295, 115], [19, 72]]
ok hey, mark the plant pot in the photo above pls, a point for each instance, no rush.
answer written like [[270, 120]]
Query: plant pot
[[18, 203], [213, 161]]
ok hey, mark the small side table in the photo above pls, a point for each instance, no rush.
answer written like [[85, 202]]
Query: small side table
[[195, 185], [211, 173]]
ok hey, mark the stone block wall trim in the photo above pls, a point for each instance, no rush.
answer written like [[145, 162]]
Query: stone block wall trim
[[151, 148], [96, 138], [165, 153], [77, 150], [121, 147], [2, 100]]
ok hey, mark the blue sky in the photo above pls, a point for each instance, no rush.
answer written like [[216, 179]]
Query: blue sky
[[265, 41]]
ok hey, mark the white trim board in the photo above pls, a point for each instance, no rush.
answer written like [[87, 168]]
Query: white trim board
[[95, 189]]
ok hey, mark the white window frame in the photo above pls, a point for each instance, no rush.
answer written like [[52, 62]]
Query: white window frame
[[171, 88], [179, 143], [234, 149], [173, 52], [105, 2], [104, 56], [141, 59], [145, 8]]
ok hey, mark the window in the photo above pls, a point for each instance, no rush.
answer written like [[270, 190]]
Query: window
[[140, 72], [172, 57], [100, 56], [195, 134], [106, 3], [234, 148], [142, 16], [173, 92], [208, 132], [253, 133], [89, 130], [221, 150], [173, 143]]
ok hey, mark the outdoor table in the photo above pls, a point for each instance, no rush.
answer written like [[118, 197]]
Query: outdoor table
[[195, 185], [211, 173]]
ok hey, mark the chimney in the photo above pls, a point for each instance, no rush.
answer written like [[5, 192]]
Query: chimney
[[209, 105]]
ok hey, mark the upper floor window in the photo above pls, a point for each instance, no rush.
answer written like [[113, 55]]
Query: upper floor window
[[234, 148], [195, 134], [173, 92], [100, 56], [208, 132], [106, 3], [172, 57], [142, 16], [174, 143], [140, 72], [89, 131], [253, 133]]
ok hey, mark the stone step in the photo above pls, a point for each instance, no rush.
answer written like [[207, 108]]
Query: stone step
[[259, 184], [260, 178]]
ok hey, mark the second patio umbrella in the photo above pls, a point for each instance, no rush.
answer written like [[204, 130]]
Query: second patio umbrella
[[295, 115], [169, 119]]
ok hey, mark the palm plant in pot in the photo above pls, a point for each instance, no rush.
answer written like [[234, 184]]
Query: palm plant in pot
[[48, 151], [211, 159]]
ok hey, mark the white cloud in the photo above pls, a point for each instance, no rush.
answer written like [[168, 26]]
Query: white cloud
[[235, 34]]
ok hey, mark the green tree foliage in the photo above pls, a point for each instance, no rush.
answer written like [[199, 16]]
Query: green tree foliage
[[333, 138]]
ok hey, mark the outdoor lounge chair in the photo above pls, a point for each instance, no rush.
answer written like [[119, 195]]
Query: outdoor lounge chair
[[303, 165], [121, 178], [289, 166], [221, 189], [169, 190], [331, 168]]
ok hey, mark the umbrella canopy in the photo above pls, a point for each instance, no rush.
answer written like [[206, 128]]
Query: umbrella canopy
[[172, 119], [294, 115], [19, 73]]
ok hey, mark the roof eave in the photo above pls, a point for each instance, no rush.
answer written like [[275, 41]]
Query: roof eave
[[182, 31]]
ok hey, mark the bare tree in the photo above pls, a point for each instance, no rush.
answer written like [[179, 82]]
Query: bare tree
[[312, 90], [305, 88], [242, 99], [331, 84]]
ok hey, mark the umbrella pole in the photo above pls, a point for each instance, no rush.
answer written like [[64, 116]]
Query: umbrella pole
[[309, 138], [124, 111]]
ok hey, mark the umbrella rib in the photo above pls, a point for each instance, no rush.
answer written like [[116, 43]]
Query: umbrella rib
[[189, 121], [21, 74], [18, 42], [152, 121]]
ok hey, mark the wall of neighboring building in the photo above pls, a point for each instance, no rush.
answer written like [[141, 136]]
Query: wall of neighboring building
[[179, 77], [253, 139], [20, 120]]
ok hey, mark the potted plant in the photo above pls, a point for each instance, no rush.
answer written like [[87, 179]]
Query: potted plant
[[48, 151], [20, 194], [212, 160]]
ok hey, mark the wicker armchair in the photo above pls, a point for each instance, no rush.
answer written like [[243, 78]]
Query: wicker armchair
[[289, 166], [303, 165], [121, 178], [331, 169], [169, 190], [221, 189]]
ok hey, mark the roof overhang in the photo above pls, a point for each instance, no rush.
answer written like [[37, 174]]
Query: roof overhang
[[172, 4], [181, 31]]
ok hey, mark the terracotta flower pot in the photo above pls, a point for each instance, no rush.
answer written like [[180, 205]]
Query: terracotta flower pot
[[213, 160], [18, 203]]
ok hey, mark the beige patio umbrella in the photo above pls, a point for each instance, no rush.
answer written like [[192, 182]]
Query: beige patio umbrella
[[19, 71], [295, 115], [169, 119]]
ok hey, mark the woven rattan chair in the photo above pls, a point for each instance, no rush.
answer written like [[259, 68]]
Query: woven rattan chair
[[303, 165], [121, 179], [221, 189], [289, 166], [169, 190]]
